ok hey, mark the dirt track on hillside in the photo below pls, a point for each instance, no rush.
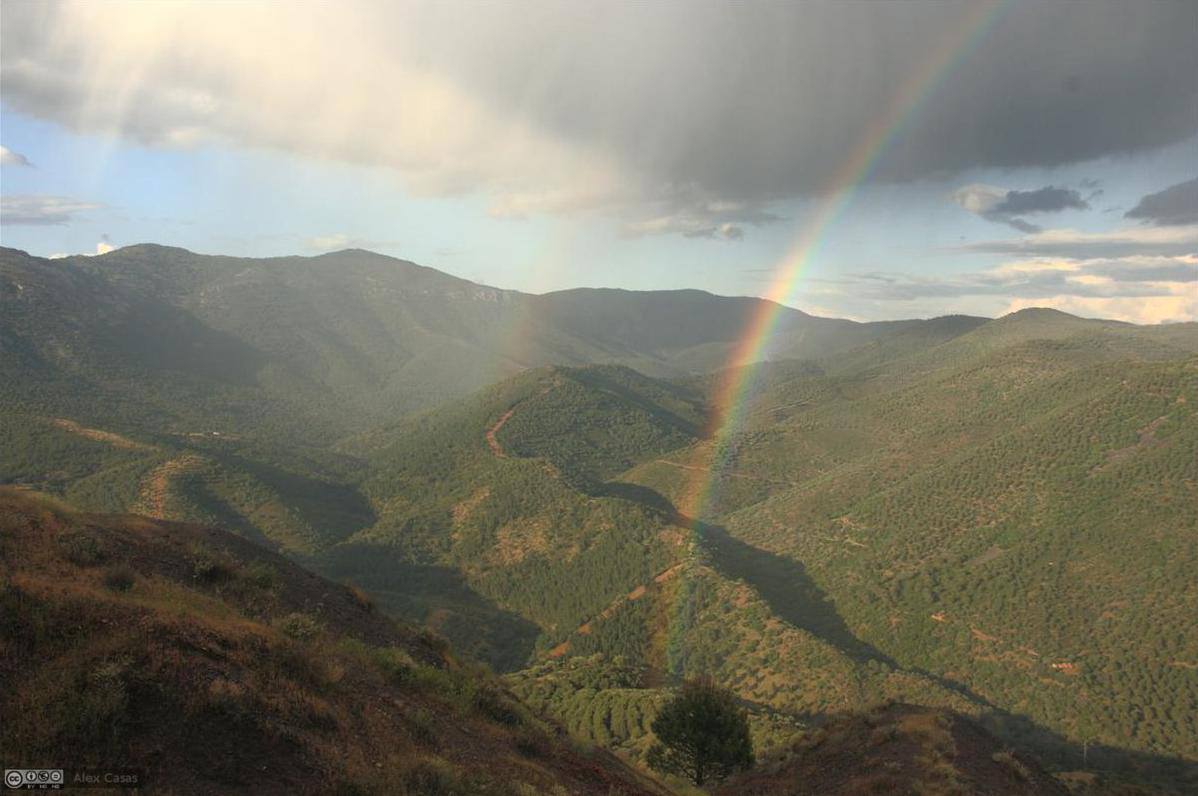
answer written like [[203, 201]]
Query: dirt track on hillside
[[492, 441]]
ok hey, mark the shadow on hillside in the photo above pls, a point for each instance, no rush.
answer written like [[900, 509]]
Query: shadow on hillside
[[794, 597], [337, 510], [635, 493], [600, 381], [1117, 770], [439, 597], [1169, 772], [782, 582], [790, 592]]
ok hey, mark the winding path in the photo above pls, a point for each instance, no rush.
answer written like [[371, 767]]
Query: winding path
[[493, 441]]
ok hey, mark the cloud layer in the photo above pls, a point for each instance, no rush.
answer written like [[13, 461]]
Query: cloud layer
[[662, 115], [1174, 205], [41, 210], [1007, 206], [1136, 241], [1138, 289]]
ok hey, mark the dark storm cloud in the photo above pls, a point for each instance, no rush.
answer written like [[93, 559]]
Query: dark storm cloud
[[1016, 223], [1005, 207], [1042, 200], [1174, 205], [572, 107]]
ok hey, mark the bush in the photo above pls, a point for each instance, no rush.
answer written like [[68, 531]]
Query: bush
[[300, 627], [397, 665], [262, 575], [81, 548], [423, 727], [1008, 759], [361, 597], [531, 744], [209, 567], [434, 640], [431, 777], [492, 704], [119, 578]]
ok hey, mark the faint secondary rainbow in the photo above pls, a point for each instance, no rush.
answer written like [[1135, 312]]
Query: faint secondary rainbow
[[731, 396]]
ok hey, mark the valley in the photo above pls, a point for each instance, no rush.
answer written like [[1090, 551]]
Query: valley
[[995, 520]]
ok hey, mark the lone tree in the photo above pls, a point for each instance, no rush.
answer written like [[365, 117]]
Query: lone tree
[[702, 734]]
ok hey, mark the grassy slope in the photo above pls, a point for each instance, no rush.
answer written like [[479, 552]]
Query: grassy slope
[[214, 666]]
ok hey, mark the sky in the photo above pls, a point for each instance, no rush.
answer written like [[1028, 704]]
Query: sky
[[884, 160]]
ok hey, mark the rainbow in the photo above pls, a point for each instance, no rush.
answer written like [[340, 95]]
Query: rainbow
[[731, 394]]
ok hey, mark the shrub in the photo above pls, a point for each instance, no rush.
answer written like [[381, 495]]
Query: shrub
[[300, 627], [492, 704], [453, 685], [229, 697], [262, 575], [81, 548], [434, 640], [431, 777], [396, 664], [361, 597], [1008, 759], [423, 727], [119, 578], [207, 566], [531, 744]]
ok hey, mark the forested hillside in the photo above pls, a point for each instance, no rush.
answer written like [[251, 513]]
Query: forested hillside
[[319, 347], [996, 518], [1013, 512]]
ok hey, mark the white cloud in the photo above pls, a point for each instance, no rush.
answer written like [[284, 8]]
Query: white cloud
[[103, 246], [326, 243], [978, 198], [1136, 288], [340, 240], [10, 158], [1154, 309]]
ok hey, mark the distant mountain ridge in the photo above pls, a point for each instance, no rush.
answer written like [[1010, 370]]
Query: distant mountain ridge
[[349, 339]]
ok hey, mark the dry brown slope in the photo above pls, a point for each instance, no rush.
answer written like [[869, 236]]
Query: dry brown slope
[[216, 666], [897, 749]]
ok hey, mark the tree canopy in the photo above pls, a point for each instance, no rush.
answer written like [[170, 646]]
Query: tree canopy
[[702, 734]]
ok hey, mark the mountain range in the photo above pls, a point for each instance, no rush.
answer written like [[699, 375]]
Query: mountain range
[[993, 520]]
